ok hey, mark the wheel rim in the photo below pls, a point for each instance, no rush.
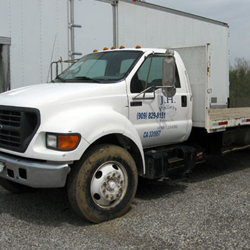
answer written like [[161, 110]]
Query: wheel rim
[[109, 184]]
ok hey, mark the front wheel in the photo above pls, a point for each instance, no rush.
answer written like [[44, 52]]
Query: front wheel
[[103, 184]]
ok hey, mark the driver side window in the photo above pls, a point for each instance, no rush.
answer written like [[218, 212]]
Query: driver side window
[[150, 74]]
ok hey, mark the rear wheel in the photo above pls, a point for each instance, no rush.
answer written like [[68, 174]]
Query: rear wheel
[[14, 187], [103, 184]]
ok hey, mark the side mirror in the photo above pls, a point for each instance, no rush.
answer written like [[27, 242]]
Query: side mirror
[[168, 75]]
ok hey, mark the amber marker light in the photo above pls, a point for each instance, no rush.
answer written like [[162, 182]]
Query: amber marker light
[[138, 47], [95, 50], [122, 47], [67, 142], [105, 48], [113, 47]]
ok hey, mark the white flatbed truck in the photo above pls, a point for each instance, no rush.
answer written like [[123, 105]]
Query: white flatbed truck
[[112, 116], [115, 114]]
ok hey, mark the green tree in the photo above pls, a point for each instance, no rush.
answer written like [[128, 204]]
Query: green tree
[[239, 76]]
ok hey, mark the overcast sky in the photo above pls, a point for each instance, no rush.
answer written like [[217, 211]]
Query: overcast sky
[[234, 12]]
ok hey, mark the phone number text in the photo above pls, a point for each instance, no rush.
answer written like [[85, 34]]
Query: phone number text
[[150, 115]]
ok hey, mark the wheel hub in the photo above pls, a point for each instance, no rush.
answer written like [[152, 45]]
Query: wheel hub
[[109, 184], [112, 186]]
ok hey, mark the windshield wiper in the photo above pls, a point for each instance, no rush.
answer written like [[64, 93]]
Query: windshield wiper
[[60, 78], [85, 78]]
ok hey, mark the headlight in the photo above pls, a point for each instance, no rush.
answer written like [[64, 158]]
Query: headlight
[[62, 142]]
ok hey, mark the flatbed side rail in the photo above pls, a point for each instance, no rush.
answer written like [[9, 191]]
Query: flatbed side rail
[[220, 119]]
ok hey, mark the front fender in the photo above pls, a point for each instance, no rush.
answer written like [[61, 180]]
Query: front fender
[[106, 122], [91, 123]]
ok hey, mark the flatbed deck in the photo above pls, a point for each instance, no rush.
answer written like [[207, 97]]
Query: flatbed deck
[[230, 117], [230, 113]]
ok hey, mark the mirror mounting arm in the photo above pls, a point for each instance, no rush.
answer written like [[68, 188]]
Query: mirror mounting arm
[[154, 89], [145, 91]]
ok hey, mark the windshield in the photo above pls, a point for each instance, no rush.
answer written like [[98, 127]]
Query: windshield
[[103, 67]]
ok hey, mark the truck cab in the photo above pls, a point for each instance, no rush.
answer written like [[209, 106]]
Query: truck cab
[[102, 122]]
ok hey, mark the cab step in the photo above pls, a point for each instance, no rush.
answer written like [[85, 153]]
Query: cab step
[[166, 162]]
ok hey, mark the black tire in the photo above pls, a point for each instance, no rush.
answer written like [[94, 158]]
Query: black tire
[[14, 187], [103, 184]]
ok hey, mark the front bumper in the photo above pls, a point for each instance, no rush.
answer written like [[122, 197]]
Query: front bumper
[[33, 173]]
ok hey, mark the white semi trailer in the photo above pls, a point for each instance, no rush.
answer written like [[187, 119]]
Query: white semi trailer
[[35, 33]]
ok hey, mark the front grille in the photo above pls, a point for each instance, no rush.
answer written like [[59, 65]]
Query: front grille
[[17, 127], [10, 118]]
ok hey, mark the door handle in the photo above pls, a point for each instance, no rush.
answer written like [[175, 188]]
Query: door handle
[[184, 101], [135, 104]]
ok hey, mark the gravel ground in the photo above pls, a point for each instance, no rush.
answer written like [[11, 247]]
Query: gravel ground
[[210, 210]]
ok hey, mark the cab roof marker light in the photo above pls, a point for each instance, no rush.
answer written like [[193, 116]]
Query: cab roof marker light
[[95, 50], [122, 47], [105, 48], [113, 47], [138, 47], [169, 52]]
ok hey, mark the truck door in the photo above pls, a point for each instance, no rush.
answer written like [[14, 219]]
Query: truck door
[[159, 120]]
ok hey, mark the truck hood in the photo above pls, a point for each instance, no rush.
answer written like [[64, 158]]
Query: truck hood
[[47, 94]]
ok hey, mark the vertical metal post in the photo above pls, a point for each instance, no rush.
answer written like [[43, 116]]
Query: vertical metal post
[[72, 25], [72, 31], [115, 23]]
